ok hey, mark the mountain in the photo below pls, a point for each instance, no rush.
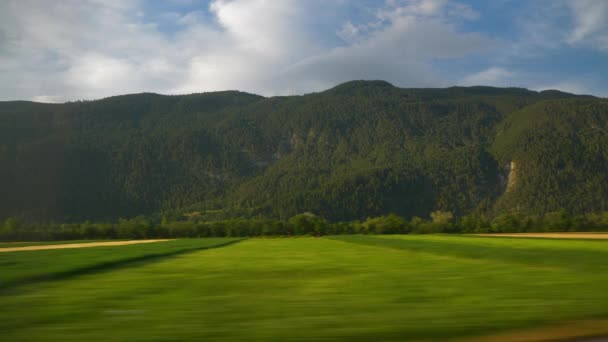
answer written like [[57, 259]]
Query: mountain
[[360, 149]]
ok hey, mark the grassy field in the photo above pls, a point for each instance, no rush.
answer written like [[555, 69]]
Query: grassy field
[[27, 267], [335, 288]]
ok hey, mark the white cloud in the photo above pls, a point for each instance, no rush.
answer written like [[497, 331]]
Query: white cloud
[[399, 52], [349, 32], [47, 99], [73, 49], [95, 48], [591, 23], [256, 39], [552, 25], [502, 77], [494, 76]]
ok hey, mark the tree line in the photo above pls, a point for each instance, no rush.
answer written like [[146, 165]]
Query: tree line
[[306, 224]]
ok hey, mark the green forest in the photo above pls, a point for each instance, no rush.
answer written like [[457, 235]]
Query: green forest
[[363, 150]]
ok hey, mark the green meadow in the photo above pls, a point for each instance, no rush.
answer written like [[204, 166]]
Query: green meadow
[[355, 288]]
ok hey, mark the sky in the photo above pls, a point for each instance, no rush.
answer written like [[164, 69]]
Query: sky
[[66, 50]]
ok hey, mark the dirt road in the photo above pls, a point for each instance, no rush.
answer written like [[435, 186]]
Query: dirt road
[[575, 331], [78, 245], [551, 235]]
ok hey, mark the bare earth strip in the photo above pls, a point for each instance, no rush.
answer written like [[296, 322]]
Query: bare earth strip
[[579, 331], [551, 235], [79, 245]]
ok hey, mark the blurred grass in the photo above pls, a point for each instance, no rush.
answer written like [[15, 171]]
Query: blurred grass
[[576, 254], [23, 267], [357, 288]]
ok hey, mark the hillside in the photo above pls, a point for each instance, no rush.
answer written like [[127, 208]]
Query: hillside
[[360, 149]]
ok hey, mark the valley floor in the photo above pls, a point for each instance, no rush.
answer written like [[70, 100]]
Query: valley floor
[[361, 288]]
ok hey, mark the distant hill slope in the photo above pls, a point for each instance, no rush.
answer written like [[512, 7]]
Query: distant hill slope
[[359, 149], [560, 148]]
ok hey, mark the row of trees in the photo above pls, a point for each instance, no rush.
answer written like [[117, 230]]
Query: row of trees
[[302, 224]]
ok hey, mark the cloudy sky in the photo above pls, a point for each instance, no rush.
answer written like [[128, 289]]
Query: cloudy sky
[[62, 50]]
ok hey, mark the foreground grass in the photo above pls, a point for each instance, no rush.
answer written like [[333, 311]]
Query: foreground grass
[[340, 288], [23, 267]]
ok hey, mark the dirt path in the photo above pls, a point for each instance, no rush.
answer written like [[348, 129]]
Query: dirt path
[[576, 331], [78, 245], [551, 235]]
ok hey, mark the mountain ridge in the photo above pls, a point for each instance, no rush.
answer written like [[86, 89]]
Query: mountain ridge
[[359, 149], [348, 84]]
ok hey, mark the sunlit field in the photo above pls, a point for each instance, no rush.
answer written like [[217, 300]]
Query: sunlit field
[[366, 288]]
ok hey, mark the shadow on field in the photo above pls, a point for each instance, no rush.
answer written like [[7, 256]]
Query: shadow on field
[[108, 266], [548, 253]]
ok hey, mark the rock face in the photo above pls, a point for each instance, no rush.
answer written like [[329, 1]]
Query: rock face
[[512, 178]]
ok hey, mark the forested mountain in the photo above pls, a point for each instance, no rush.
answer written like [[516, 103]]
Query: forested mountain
[[361, 149]]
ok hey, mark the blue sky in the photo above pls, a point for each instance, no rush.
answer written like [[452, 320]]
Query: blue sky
[[53, 51]]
